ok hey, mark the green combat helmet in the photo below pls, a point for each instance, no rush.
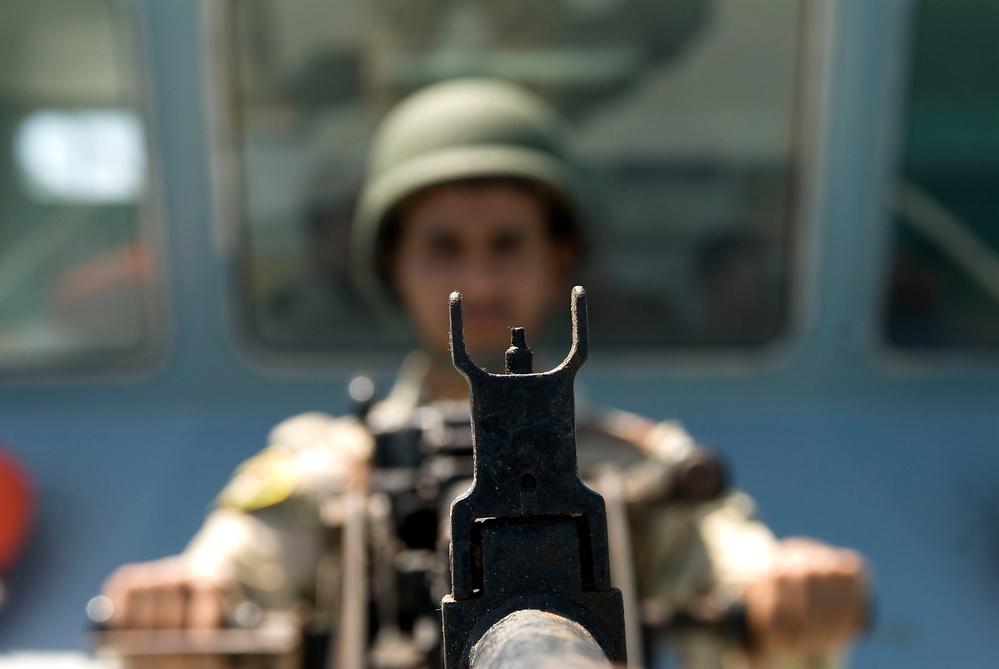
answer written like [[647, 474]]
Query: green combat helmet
[[453, 131]]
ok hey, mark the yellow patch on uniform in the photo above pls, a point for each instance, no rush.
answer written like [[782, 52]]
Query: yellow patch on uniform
[[264, 480]]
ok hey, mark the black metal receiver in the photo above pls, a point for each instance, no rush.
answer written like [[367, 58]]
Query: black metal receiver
[[527, 534]]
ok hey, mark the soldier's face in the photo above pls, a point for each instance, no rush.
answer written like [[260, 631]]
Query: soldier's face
[[492, 244]]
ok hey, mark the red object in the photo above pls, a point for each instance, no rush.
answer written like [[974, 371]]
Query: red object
[[17, 508]]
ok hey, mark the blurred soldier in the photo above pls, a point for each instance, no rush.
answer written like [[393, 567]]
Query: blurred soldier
[[468, 189]]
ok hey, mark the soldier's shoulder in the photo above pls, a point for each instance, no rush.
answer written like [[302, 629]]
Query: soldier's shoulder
[[660, 461], [624, 437], [305, 453], [317, 430]]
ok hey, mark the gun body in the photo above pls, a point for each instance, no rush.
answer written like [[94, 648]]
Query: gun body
[[529, 575], [528, 535]]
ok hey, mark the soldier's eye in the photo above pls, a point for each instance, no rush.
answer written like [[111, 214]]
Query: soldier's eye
[[443, 245], [508, 242]]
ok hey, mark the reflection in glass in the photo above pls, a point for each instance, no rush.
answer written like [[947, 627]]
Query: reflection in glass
[[87, 156], [682, 115], [74, 268], [944, 288]]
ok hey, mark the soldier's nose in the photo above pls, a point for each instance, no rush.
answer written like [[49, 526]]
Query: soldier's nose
[[479, 280]]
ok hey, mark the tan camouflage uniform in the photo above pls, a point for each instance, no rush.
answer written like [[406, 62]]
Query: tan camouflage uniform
[[271, 530]]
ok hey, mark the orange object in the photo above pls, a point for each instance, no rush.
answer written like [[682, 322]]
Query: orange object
[[17, 508]]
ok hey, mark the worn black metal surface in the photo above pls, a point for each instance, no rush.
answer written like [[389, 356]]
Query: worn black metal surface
[[528, 534]]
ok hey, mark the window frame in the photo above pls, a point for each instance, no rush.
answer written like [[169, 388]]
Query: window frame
[[151, 355], [810, 90], [885, 357]]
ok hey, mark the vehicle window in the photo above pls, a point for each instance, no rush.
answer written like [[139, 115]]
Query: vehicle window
[[74, 265], [683, 116], [944, 290]]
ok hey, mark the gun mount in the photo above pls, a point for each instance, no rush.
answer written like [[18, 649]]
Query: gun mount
[[527, 535]]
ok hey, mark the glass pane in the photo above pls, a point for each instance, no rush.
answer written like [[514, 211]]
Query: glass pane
[[683, 119], [73, 266], [944, 292]]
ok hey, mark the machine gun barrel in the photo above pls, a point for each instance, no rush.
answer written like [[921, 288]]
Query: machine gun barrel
[[532, 639]]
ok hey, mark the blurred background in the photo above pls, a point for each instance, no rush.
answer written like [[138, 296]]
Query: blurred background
[[797, 256]]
